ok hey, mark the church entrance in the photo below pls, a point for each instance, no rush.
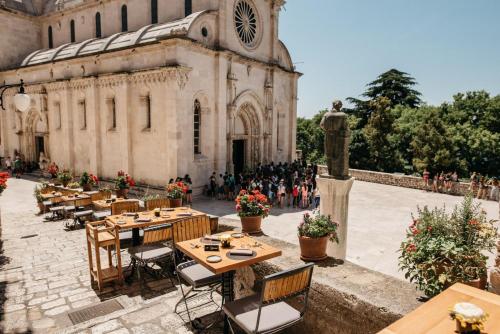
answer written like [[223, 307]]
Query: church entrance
[[238, 155], [39, 145]]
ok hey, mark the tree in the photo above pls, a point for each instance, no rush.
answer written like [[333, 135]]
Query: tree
[[310, 138]]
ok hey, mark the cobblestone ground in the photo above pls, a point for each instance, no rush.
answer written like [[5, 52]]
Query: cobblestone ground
[[44, 275]]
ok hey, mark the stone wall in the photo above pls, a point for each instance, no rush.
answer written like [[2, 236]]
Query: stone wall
[[20, 36], [398, 180]]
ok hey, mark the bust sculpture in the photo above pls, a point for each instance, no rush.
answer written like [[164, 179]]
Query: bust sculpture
[[43, 162], [337, 134]]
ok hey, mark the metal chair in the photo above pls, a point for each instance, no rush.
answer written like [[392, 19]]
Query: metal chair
[[152, 204], [268, 312], [155, 249], [200, 279], [79, 212]]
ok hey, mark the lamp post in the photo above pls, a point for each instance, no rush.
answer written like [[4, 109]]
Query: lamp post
[[22, 101]]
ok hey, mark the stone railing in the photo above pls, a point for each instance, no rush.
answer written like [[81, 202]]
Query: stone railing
[[399, 180]]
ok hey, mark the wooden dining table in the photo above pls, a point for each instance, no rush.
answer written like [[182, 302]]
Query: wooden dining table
[[227, 267], [50, 195], [433, 317], [73, 198], [105, 204], [127, 221]]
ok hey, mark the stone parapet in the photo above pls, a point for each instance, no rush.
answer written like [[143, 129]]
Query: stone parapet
[[399, 180]]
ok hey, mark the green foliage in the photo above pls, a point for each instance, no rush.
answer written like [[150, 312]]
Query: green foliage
[[393, 132], [442, 249], [318, 226]]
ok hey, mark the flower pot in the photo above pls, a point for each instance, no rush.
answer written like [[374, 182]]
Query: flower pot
[[313, 249], [251, 225], [479, 283], [175, 202], [122, 193], [87, 187]]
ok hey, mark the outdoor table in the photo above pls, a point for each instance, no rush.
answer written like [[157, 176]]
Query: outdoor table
[[50, 195], [166, 217], [227, 267], [73, 198], [433, 316], [103, 204]]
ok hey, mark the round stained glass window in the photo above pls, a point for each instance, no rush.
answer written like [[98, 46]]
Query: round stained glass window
[[245, 20]]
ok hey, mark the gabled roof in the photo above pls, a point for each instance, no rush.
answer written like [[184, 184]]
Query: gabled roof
[[123, 40]]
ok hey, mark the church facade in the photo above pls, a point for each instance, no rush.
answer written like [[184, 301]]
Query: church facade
[[157, 88]]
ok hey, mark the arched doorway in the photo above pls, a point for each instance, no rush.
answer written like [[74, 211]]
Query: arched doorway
[[35, 143], [246, 140]]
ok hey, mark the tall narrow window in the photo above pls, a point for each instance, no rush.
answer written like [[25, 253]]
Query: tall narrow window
[[154, 11], [51, 42], [83, 114], [72, 31], [146, 106], [197, 124], [124, 18], [188, 7], [57, 108], [98, 33], [111, 106]]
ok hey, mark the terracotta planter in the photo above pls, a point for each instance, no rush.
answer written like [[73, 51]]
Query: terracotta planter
[[251, 225], [479, 283], [87, 187], [175, 202], [313, 249], [122, 193]]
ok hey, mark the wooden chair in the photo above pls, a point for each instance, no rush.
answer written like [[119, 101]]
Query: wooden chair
[[268, 312], [154, 250], [101, 235], [152, 204], [80, 212], [127, 206], [199, 278]]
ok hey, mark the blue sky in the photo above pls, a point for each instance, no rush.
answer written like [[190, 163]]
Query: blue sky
[[448, 46]]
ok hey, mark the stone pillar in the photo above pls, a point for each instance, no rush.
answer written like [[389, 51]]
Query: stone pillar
[[495, 273], [335, 203]]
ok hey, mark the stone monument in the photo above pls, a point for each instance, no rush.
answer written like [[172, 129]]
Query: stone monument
[[335, 186]]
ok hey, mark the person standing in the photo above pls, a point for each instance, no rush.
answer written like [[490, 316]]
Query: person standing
[[281, 193], [8, 165], [426, 179], [189, 191]]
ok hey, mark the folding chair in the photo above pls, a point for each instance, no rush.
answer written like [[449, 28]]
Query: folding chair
[[268, 312], [199, 278], [155, 250]]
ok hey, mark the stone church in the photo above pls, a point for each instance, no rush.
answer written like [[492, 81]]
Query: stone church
[[157, 88]]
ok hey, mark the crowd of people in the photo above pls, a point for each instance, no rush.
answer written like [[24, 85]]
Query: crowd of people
[[482, 186], [285, 184]]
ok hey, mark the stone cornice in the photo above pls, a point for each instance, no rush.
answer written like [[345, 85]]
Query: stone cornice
[[56, 86], [82, 83], [178, 73], [112, 80]]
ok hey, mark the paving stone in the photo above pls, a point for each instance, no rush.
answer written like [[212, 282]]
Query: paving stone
[[73, 292], [106, 327], [120, 331], [146, 314], [43, 323], [41, 300], [11, 308], [147, 329], [81, 296], [171, 322], [34, 314], [54, 303], [57, 310], [83, 302]]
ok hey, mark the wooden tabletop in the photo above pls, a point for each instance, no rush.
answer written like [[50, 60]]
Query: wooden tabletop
[[433, 316], [165, 218], [50, 195], [74, 198], [102, 204], [263, 252]]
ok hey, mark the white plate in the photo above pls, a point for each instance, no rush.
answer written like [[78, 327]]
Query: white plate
[[214, 259]]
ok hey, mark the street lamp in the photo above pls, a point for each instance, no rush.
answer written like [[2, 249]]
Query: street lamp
[[22, 101]]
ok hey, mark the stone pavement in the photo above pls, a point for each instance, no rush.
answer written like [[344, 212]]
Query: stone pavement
[[45, 275], [378, 218]]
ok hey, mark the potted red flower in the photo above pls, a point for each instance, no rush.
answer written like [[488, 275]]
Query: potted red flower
[[175, 192], [123, 183], [252, 207], [87, 181], [53, 169], [314, 232], [3, 181]]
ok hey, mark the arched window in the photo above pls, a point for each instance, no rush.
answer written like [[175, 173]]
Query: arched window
[[124, 18], [98, 33], [188, 7], [72, 31], [197, 127], [51, 42], [154, 11]]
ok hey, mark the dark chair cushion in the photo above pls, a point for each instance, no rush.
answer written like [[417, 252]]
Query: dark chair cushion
[[197, 275], [244, 311], [99, 215], [56, 208], [150, 253], [85, 213]]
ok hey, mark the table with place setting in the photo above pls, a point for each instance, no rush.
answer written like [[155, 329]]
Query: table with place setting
[[231, 251], [105, 204]]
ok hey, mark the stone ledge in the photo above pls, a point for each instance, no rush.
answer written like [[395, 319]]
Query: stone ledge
[[345, 298]]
